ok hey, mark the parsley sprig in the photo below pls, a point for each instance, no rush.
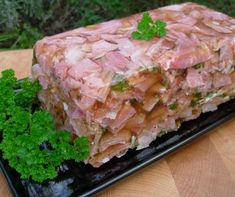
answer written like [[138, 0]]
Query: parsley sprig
[[30, 141], [147, 28]]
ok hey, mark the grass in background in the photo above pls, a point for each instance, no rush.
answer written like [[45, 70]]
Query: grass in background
[[22, 22]]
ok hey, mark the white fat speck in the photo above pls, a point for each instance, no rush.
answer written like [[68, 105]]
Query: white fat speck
[[106, 159], [86, 47], [209, 107], [133, 141], [168, 64], [126, 28], [56, 59], [112, 115], [226, 98], [215, 22], [117, 78], [122, 153], [232, 92], [212, 96], [73, 55], [65, 106], [162, 89]]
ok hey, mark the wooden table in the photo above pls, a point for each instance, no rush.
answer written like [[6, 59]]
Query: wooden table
[[204, 168]]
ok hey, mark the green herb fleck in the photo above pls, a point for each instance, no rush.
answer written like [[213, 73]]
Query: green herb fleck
[[120, 86], [223, 95], [173, 106], [209, 95], [165, 83], [232, 97], [197, 96], [147, 28], [198, 66], [155, 69], [134, 142], [104, 130], [194, 103]]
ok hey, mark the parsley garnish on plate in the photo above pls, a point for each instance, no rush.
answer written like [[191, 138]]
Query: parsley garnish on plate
[[147, 28], [30, 141]]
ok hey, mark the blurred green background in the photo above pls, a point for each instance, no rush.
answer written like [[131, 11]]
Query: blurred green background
[[22, 22]]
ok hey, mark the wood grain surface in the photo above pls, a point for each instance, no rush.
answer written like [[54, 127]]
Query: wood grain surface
[[205, 168]]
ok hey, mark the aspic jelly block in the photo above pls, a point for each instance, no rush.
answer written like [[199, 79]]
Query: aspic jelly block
[[122, 93]]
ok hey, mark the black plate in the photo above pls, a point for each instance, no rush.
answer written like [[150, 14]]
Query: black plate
[[83, 180]]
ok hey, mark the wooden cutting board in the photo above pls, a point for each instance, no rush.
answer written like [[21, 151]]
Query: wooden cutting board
[[205, 168]]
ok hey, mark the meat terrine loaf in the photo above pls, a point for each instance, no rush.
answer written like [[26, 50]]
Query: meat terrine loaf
[[122, 93]]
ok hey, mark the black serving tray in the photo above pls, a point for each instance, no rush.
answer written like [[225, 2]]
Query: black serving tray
[[83, 180]]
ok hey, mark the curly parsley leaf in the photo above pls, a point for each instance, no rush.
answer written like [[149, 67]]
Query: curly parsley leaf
[[30, 141], [147, 28], [26, 96]]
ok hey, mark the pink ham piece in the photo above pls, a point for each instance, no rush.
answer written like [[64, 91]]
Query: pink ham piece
[[38, 73], [126, 47], [187, 20], [85, 103], [123, 116], [109, 153], [83, 69], [180, 27], [226, 51], [115, 61], [185, 58], [216, 26], [101, 47], [102, 28], [109, 139], [61, 70], [221, 80], [135, 124], [194, 79], [210, 14], [123, 93]]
